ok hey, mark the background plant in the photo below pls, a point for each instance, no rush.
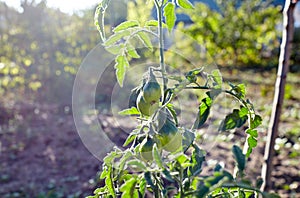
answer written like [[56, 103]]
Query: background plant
[[237, 33]]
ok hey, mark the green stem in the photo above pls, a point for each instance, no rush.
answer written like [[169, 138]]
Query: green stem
[[180, 184], [159, 9]]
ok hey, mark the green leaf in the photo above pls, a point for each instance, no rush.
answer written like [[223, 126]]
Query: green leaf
[[255, 122], [169, 13], [131, 51], [129, 189], [114, 49], [109, 182], [104, 172], [125, 25], [191, 76], [217, 77], [154, 23], [131, 111], [239, 157], [137, 164], [188, 139], [145, 40], [116, 37], [196, 161], [121, 68], [233, 120], [167, 175], [124, 159], [130, 138], [147, 176], [133, 95], [240, 90], [157, 157], [204, 110], [185, 4], [252, 142], [109, 158], [143, 186], [173, 112], [252, 132]]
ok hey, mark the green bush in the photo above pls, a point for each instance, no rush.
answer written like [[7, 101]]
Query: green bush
[[239, 33]]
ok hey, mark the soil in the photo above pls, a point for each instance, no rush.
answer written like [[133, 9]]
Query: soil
[[41, 155]]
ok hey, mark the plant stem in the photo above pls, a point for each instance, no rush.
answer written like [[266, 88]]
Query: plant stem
[[180, 184], [159, 9]]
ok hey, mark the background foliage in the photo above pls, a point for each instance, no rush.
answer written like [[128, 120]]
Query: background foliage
[[238, 33]]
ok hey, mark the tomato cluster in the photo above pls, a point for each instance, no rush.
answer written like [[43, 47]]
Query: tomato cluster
[[163, 131]]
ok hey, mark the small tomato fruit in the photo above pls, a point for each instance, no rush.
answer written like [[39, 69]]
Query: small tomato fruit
[[152, 92], [144, 107]]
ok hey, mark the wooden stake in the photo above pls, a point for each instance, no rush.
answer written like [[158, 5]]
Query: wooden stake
[[283, 67]]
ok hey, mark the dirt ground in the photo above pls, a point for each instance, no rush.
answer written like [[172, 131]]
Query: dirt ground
[[45, 156], [41, 155]]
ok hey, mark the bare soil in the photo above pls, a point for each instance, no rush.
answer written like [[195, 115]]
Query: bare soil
[[41, 155]]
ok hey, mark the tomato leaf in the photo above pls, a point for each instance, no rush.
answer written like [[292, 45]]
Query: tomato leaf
[[188, 139], [252, 132], [121, 68], [204, 110], [185, 4], [129, 189], [157, 156], [142, 187], [116, 37], [109, 182], [154, 23], [217, 77], [137, 164], [167, 175], [233, 120], [124, 159], [239, 157], [169, 13], [145, 40], [147, 176], [114, 49], [255, 122], [252, 143], [196, 161], [131, 51], [125, 25], [131, 111], [239, 90], [173, 112]]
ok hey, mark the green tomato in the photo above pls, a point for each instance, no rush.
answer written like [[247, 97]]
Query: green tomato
[[169, 136], [146, 149], [152, 92], [144, 107]]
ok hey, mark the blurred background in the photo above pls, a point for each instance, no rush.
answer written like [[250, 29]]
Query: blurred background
[[42, 44]]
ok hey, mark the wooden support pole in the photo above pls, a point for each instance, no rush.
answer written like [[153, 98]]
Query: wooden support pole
[[283, 68]]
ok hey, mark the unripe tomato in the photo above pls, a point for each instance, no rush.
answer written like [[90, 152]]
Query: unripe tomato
[[169, 136], [152, 92], [144, 107], [146, 149]]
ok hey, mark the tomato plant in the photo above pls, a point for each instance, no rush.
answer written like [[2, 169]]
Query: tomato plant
[[163, 159]]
